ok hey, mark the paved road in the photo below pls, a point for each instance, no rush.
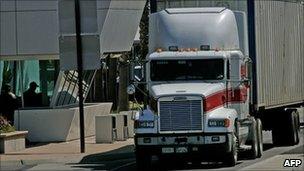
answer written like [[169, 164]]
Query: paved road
[[123, 159]]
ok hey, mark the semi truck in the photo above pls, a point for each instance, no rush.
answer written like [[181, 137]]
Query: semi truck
[[210, 97]]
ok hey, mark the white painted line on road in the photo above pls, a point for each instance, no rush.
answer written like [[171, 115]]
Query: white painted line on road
[[125, 165]]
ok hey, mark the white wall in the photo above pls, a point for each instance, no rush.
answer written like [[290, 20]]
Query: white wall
[[47, 125], [31, 27], [28, 27]]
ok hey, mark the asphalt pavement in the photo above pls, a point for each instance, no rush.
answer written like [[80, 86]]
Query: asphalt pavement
[[119, 156]]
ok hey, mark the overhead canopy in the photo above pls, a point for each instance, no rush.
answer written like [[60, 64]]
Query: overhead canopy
[[28, 28], [31, 28], [120, 24]]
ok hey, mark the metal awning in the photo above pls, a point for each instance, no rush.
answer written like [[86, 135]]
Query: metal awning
[[120, 24]]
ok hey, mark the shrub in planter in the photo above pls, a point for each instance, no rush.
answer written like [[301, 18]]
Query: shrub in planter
[[5, 126], [10, 139]]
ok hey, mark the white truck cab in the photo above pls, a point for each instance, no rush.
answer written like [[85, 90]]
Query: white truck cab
[[197, 78]]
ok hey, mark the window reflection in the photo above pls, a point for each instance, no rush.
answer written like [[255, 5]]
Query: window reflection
[[19, 74]]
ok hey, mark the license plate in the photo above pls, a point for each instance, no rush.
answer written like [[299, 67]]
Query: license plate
[[167, 150], [181, 150]]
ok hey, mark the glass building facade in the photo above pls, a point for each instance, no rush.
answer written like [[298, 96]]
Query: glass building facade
[[20, 73]]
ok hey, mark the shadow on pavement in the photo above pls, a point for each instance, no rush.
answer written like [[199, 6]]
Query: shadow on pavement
[[29, 144], [178, 165], [123, 159], [267, 146], [108, 160]]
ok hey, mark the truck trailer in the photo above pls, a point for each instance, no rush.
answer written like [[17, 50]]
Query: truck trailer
[[216, 78]]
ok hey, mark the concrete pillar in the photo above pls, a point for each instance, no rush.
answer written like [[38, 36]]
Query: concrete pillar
[[130, 122], [105, 129], [122, 127]]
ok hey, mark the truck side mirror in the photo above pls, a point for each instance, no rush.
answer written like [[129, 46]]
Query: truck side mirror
[[246, 82], [248, 65], [131, 89], [137, 71]]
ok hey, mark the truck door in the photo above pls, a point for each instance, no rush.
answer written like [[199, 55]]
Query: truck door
[[238, 90]]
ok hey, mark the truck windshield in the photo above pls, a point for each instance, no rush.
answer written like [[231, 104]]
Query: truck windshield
[[196, 69]]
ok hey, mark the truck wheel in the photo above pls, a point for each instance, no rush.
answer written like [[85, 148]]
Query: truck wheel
[[287, 135], [292, 129], [253, 153], [260, 137], [297, 120], [143, 161], [232, 156]]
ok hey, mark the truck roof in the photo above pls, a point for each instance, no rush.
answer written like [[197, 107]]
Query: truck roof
[[189, 55], [194, 10], [192, 28]]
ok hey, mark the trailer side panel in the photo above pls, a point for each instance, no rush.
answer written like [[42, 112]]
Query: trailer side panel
[[279, 46], [279, 53]]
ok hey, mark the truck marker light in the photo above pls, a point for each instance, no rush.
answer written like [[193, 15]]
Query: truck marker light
[[226, 122], [194, 49], [173, 48], [205, 47], [158, 50]]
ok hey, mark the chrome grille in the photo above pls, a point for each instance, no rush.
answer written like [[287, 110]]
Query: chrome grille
[[180, 115]]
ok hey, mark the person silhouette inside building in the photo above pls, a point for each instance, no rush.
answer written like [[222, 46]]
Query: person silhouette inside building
[[8, 103], [31, 98]]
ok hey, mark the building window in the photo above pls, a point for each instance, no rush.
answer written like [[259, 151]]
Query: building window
[[19, 74]]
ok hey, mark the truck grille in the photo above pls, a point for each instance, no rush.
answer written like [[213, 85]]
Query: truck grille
[[180, 115]]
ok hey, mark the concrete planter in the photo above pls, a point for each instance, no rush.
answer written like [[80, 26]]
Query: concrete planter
[[58, 124], [12, 141]]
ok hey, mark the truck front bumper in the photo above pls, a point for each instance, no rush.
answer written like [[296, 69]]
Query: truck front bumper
[[208, 146]]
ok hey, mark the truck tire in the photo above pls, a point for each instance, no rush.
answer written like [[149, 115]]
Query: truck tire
[[232, 156], [287, 135], [260, 137], [143, 161], [297, 120], [253, 152], [293, 130]]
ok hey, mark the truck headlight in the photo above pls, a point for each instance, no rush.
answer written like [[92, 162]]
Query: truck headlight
[[143, 124], [219, 123]]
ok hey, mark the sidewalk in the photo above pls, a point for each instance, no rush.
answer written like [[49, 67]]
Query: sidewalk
[[58, 153], [276, 163]]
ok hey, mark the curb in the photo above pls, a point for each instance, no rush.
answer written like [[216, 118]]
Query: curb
[[59, 160]]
